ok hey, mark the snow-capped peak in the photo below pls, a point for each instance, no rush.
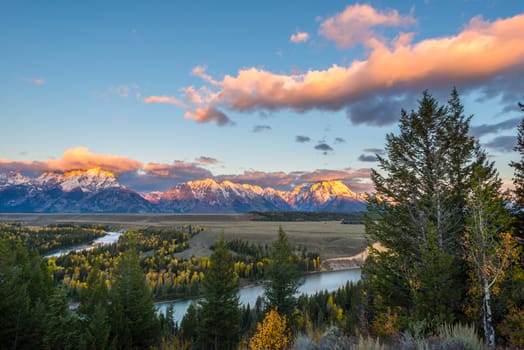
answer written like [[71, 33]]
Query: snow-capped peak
[[91, 180], [13, 178]]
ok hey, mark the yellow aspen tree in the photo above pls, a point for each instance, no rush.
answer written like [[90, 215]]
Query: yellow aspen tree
[[272, 333]]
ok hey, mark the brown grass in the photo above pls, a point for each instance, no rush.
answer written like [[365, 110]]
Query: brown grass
[[330, 239]]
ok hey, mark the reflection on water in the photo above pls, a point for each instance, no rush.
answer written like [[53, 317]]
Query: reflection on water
[[107, 239], [313, 283]]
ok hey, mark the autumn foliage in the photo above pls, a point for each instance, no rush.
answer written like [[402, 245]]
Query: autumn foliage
[[272, 333]]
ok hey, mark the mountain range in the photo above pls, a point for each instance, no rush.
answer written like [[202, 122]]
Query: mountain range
[[99, 191]]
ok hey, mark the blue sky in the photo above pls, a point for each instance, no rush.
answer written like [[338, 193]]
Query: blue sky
[[161, 92]]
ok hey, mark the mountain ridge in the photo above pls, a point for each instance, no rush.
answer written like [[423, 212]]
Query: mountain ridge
[[99, 191]]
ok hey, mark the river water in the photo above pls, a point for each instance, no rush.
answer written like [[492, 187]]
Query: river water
[[313, 283], [108, 238]]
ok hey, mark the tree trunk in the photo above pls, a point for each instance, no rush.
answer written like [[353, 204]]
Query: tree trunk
[[489, 330]]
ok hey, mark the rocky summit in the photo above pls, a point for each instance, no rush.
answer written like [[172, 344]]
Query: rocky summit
[[99, 191]]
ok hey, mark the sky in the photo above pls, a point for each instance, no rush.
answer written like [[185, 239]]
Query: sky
[[273, 93]]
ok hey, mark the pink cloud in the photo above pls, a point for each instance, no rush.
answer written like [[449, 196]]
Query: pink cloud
[[373, 89], [355, 25], [200, 71], [75, 158], [206, 160], [299, 37], [207, 114], [164, 99], [357, 179]]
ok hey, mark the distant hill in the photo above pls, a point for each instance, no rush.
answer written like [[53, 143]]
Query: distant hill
[[99, 191]]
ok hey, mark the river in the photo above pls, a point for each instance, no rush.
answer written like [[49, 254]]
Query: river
[[109, 238], [313, 283]]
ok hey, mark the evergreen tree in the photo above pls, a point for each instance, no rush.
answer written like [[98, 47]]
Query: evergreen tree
[[219, 314], [283, 275], [61, 325], [518, 179], [25, 287], [419, 208], [134, 323], [94, 308]]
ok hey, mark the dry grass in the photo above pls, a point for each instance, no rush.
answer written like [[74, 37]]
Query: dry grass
[[330, 239]]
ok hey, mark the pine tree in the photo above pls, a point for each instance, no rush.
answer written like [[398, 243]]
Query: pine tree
[[134, 323], [283, 275], [219, 314], [94, 308], [518, 179], [419, 207], [25, 288]]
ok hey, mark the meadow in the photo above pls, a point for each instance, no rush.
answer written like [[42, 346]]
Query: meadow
[[328, 238]]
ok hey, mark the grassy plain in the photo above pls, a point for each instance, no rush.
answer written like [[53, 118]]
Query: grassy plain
[[330, 238]]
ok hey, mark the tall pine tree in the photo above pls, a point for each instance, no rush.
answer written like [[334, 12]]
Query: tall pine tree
[[417, 212], [219, 315], [284, 277], [134, 323], [518, 178]]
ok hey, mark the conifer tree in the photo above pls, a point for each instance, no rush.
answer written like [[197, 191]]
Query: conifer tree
[[219, 315], [518, 178], [419, 207], [134, 323], [283, 275]]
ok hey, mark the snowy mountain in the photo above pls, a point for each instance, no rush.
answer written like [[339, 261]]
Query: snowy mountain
[[93, 191], [97, 190], [91, 180], [209, 196]]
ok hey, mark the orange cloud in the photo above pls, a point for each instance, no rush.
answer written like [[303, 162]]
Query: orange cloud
[[75, 158], [355, 25], [82, 158], [299, 37], [390, 76]]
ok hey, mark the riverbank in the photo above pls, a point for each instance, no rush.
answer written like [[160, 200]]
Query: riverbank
[[350, 262]]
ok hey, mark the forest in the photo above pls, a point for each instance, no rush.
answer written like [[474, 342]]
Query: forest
[[450, 274]]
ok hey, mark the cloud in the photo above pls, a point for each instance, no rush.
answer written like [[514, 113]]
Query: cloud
[[206, 160], [160, 176], [357, 23], [502, 144], [357, 179], [261, 128], [75, 158], [299, 37], [339, 140], [208, 114], [200, 71], [324, 147], [391, 75], [165, 99], [374, 150], [367, 158], [484, 129], [302, 139]]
